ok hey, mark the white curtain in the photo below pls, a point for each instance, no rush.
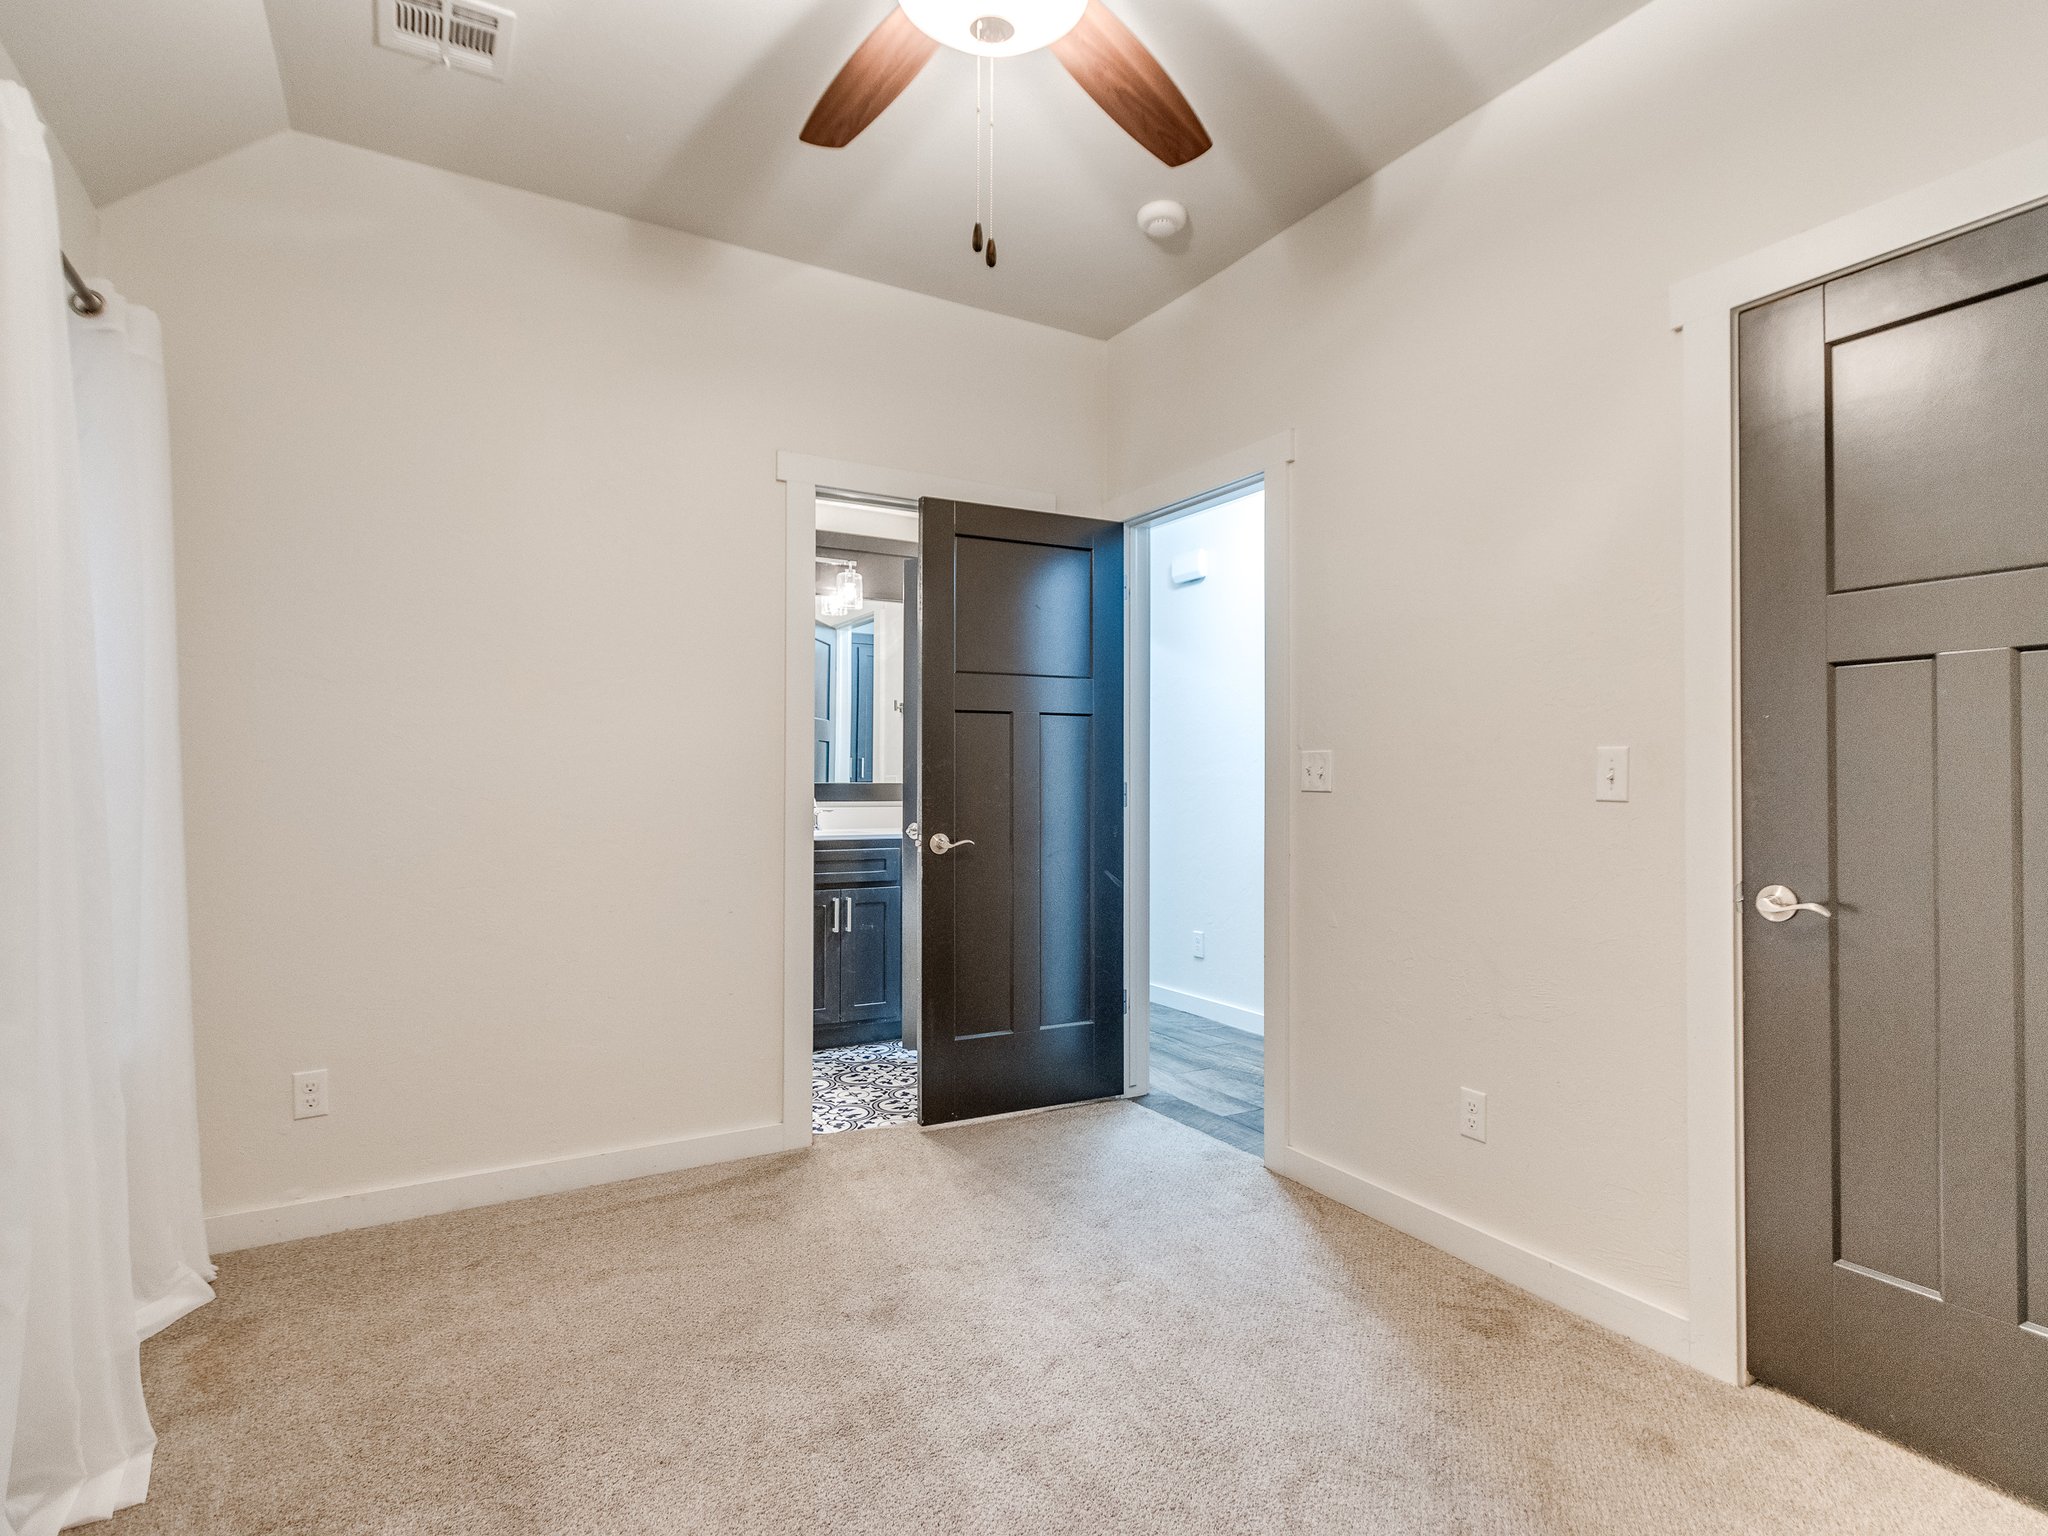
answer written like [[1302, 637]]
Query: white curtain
[[100, 1234]]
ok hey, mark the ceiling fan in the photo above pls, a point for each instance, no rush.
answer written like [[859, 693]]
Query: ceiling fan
[[1098, 50]]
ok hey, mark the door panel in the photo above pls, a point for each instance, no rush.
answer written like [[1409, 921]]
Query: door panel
[[1022, 715], [826, 916], [1940, 469], [1895, 767], [1022, 609], [1975, 892], [2034, 968], [980, 916], [1888, 1111], [1066, 905], [1986, 260]]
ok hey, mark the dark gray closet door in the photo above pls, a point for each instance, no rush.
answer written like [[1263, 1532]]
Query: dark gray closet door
[[1022, 719], [1894, 488]]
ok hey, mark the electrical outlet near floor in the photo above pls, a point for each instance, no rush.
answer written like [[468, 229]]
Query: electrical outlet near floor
[[1318, 771], [1200, 944], [309, 1094], [1472, 1113]]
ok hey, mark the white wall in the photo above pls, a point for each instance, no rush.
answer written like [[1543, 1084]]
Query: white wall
[[1208, 782], [481, 572], [448, 453], [1473, 347]]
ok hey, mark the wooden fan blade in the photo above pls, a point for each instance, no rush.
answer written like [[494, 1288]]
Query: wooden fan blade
[[1126, 81], [875, 76]]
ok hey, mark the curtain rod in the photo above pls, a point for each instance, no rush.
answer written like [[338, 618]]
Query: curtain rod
[[83, 300]]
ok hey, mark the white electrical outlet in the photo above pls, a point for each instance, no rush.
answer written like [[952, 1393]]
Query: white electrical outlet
[[1318, 771], [1472, 1113], [309, 1094], [1200, 945]]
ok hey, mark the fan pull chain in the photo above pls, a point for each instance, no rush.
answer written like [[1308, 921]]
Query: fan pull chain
[[979, 97], [991, 162]]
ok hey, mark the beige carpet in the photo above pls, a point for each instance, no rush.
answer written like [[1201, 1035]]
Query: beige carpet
[[1091, 1321]]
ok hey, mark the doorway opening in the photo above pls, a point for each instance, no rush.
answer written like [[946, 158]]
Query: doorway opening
[[864, 913], [1199, 592], [1027, 616]]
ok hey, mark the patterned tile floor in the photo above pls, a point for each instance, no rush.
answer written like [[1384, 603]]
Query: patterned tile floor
[[857, 1086], [1206, 1075]]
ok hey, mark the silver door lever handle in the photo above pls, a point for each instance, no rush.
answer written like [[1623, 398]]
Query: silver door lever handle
[[1777, 904], [938, 842]]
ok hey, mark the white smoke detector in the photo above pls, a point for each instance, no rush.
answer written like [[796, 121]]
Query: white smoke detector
[[463, 34], [1163, 219]]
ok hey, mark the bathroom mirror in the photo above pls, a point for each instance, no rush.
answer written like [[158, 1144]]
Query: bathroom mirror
[[859, 702]]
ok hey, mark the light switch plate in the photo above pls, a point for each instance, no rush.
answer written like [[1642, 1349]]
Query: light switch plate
[[1318, 771], [1610, 773]]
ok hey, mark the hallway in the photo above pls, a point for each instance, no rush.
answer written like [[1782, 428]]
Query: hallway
[[1209, 1077]]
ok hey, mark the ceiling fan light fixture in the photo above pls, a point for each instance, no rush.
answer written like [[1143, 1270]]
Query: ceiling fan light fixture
[[995, 29]]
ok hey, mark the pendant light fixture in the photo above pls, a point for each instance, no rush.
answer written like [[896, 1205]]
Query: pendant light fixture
[[846, 594]]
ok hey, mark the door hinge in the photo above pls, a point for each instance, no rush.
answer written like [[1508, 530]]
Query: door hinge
[[1127, 999], [1127, 794]]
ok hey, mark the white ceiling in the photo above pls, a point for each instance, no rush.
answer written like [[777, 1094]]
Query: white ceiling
[[685, 113], [137, 90]]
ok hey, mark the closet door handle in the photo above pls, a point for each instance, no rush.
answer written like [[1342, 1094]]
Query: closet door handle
[[835, 914], [1778, 904]]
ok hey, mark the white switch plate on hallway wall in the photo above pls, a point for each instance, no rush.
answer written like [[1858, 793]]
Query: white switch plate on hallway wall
[[1318, 771]]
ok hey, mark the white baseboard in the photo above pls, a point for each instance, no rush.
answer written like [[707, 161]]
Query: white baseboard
[[1633, 1317], [233, 1230], [1208, 1008]]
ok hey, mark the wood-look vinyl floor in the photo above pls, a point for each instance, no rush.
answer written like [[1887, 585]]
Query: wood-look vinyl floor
[[1209, 1077]]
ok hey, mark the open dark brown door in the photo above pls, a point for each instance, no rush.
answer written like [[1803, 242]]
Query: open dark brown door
[[1894, 477], [1021, 813]]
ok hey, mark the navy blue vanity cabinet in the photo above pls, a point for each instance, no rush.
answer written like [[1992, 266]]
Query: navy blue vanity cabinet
[[857, 941]]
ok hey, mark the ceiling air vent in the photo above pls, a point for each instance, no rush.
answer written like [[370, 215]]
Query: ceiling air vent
[[465, 34]]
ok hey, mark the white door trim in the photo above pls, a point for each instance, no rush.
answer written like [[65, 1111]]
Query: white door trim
[[801, 476], [1270, 459], [1704, 308]]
